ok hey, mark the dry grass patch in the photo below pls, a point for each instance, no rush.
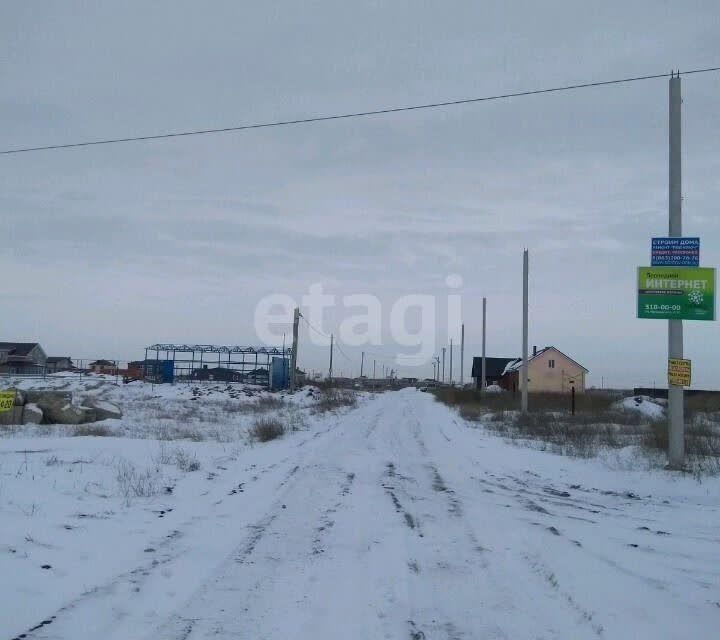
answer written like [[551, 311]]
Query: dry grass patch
[[133, 483], [91, 430], [598, 424], [331, 398], [186, 461], [266, 429]]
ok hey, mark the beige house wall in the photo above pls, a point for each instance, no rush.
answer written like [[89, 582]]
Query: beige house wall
[[558, 379]]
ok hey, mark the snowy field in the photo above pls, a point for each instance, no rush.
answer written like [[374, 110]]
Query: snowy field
[[394, 519]]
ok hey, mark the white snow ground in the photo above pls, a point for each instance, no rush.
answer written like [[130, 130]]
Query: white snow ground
[[392, 520]]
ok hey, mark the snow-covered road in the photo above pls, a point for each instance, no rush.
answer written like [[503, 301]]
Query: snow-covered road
[[396, 520]]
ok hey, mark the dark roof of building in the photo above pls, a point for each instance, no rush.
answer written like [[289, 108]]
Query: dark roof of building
[[18, 348], [102, 363], [54, 359], [494, 367]]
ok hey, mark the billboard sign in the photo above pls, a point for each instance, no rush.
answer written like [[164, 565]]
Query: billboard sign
[[676, 293], [675, 252], [7, 401], [679, 371]]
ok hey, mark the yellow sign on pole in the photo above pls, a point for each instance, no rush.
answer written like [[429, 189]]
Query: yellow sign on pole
[[679, 371], [7, 401]]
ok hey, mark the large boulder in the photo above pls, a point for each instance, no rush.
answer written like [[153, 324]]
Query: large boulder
[[32, 414], [40, 396], [71, 414], [103, 410], [57, 408]]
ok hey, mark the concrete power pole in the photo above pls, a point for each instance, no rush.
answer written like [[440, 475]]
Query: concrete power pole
[[462, 355], [450, 377], [362, 362], [483, 371], [524, 367], [331, 355], [443, 366], [676, 409], [293, 355]]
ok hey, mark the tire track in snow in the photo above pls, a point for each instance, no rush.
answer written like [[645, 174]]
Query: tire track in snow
[[587, 616], [132, 581], [165, 552], [202, 614], [391, 488], [437, 559], [327, 522]]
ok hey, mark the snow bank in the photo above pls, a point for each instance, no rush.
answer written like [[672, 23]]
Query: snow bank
[[645, 405]]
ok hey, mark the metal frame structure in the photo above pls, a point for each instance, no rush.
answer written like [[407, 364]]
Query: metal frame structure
[[189, 357]]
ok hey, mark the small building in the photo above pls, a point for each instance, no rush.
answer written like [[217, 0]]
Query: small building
[[103, 366], [549, 370], [22, 358], [54, 364], [494, 368]]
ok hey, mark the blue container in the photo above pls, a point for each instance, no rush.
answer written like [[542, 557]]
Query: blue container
[[167, 372], [279, 373]]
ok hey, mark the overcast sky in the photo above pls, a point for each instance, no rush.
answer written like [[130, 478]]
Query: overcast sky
[[107, 249]]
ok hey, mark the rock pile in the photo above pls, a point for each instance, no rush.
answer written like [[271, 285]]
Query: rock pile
[[56, 407]]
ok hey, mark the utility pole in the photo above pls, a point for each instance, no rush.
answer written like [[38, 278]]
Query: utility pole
[[676, 409], [362, 362], [483, 373], [331, 354], [451, 367], [433, 364], [293, 355], [524, 367], [462, 355], [443, 366], [373, 369]]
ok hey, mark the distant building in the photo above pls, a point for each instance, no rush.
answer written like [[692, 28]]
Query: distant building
[[103, 366], [151, 370], [22, 358], [218, 374], [494, 368], [141, 369], [58, 363], [549, 370]]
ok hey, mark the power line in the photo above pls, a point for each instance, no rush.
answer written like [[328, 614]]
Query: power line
[[310, 326], [337, 344], [345, 355], [344, 116], [326, 335]]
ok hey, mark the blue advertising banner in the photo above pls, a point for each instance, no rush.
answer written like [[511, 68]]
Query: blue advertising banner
[[675, 252]]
